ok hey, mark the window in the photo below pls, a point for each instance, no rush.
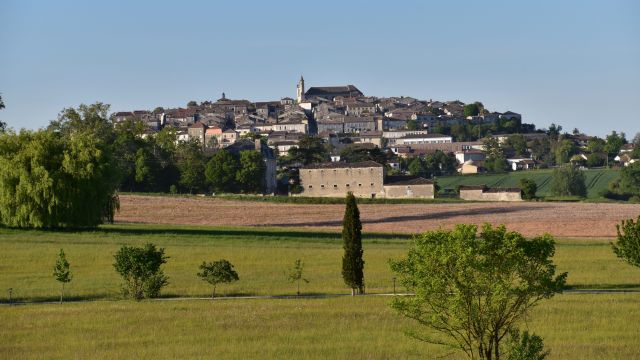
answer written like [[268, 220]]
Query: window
[[335, 186], [322, 185], [359, 184], [371, 184], [310, 186], [347, 185]]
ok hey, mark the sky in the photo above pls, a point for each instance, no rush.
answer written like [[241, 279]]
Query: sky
[[573, 63]]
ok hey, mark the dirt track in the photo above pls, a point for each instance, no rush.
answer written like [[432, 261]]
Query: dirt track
[[558, 219]]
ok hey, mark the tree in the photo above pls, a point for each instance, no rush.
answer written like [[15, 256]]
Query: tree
[[472, 289], [568, 181], [554, 131], [525, 346], [630, 178], [564, 150], [529, 188], [614, 143], [88, 119], [190, 161], [473, 109], [352, 262], [221, 171], [309, 150], [48, 180], [295, 274], [61, 272], [217, 272], [192, 103], [250, 176], [140, 268], [412, 125], [627, 246], [518, 144], [357, 153]]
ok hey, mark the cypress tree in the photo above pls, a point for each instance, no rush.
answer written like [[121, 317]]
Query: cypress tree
[[352, 263]]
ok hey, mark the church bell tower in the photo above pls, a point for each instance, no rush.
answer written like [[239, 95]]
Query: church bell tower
[[300, 95]]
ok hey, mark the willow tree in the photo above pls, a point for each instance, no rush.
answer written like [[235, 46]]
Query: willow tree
[[49, 179], [352, 262]]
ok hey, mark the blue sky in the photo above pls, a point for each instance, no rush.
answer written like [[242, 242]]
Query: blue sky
[[575, 63]]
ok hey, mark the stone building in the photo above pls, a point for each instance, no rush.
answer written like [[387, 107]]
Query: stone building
[[364, 179], [483, 193]]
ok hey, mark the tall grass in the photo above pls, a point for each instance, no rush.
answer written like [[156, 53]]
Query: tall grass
[[573, 327]]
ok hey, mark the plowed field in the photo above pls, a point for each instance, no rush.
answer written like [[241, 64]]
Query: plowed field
[[558, 219]]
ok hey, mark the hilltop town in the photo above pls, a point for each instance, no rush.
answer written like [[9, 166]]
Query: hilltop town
[[403, 140]]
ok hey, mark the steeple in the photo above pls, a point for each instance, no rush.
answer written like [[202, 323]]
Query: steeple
[[300, 94]]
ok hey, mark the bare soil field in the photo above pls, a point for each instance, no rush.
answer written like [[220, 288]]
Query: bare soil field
[[559, 219]]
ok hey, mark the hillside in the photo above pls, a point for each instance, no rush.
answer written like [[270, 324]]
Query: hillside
[[597, 180]]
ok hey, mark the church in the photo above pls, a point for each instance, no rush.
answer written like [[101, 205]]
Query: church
[[326, 92]]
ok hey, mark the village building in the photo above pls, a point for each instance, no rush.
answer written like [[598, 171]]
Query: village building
[[364, 179], [484, 193]]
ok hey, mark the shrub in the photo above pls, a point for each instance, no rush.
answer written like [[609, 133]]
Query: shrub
[[140, 268]]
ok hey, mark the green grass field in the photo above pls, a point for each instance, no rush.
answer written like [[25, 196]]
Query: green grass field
[[574, 326], [596, 180], [261, 257]]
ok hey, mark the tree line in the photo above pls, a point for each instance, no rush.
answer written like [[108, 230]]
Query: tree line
[[68, 174]]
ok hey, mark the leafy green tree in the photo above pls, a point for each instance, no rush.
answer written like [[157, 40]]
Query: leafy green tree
[[518, 144], [529, 188], [296, 273], [472, 289], [192, 103], [217, 272], [525, 346], [352, 262], [564, 150], [48, 180], [250, 176], [309, 150], [473, 109], [596, 160], [357, 153], [630, 178], [554, 131], [568, 181], [412, 125], [221, 171], [596, 145], [140, 268], [541, 151], [614, 143], [61, 272], [90, 119], [627, 246], [147, 170], [191, 164]]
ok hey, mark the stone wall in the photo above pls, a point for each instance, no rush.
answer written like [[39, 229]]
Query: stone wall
[[485, 194], [364, 182], [423, 191]]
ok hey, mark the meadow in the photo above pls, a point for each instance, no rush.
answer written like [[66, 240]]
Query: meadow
[[597, 180], [603, 326], [574, 325], [262, 256]]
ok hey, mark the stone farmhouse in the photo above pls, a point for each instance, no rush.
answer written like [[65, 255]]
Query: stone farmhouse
[[364, 179], [483, 193]]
